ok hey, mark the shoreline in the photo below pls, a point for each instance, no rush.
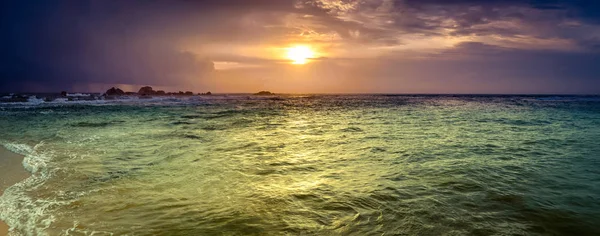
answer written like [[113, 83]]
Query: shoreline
[[11, 172]]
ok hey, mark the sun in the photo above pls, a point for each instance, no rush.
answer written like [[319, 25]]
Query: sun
[[300, 54]]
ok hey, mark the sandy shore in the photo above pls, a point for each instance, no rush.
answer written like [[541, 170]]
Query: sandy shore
[[3, 228], [11, 172]]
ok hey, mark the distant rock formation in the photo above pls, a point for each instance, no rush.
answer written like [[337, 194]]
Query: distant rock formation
[[114, 92], [208, 93], [146, 90], [63, 93], [264, 93]]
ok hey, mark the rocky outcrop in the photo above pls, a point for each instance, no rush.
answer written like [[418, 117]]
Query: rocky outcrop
[[263, 93], [114, 92], [146, 91]]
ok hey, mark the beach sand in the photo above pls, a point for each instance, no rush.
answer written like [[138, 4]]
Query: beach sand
[[11, 172]]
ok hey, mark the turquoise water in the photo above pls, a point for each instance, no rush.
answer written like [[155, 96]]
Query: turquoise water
[[306, 165]]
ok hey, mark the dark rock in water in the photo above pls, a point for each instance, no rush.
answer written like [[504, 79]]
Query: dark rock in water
[[208, 93], [63, 93], [130, 93], [188, 93], [160, 92], [264, 93], [114, 92], [180, 93], [147, 90]]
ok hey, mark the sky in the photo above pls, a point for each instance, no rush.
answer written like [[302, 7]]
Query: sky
[[358, 46]]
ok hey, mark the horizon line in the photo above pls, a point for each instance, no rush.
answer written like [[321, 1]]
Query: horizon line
[[358, 93]]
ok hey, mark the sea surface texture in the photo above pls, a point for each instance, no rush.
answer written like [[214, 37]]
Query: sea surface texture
[[306, 165]]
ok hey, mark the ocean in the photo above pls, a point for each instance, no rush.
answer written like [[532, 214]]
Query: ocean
[[305, 165]]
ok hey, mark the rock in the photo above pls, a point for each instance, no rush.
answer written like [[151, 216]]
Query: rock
[[160, 92], [208, 93], [188, 93], [63, 93], [114, 92], [147, 90], [264, 93]]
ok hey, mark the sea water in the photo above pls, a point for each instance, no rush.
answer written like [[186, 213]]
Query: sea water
[[306, 165]]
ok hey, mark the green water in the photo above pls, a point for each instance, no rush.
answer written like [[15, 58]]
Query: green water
[[307, 165]]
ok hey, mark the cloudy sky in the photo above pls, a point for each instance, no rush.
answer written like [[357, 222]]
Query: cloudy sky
[[358, 46]]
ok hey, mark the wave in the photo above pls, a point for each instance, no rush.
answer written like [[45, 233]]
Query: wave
[[570, 99], [78, 95], [17, 208], [88, 124], [34, 100], [71, 99]]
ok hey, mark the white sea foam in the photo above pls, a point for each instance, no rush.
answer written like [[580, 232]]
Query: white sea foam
[[78, 95], [56, 102], [60, 100], [22, 149], [34, 100], [17, 208], [31, 101], [133, 100]]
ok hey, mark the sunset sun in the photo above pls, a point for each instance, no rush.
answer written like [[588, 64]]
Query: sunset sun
[[299, 54]]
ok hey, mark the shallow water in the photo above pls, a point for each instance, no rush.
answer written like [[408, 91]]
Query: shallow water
[[312, 165]]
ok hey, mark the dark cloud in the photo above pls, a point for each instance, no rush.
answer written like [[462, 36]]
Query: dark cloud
[[54, 46], [386, 20]]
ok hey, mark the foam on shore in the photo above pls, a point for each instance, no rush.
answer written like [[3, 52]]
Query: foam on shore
[[17, 208], [11, 172]]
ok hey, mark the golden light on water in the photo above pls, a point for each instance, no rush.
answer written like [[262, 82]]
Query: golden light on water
[[300, 54]]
